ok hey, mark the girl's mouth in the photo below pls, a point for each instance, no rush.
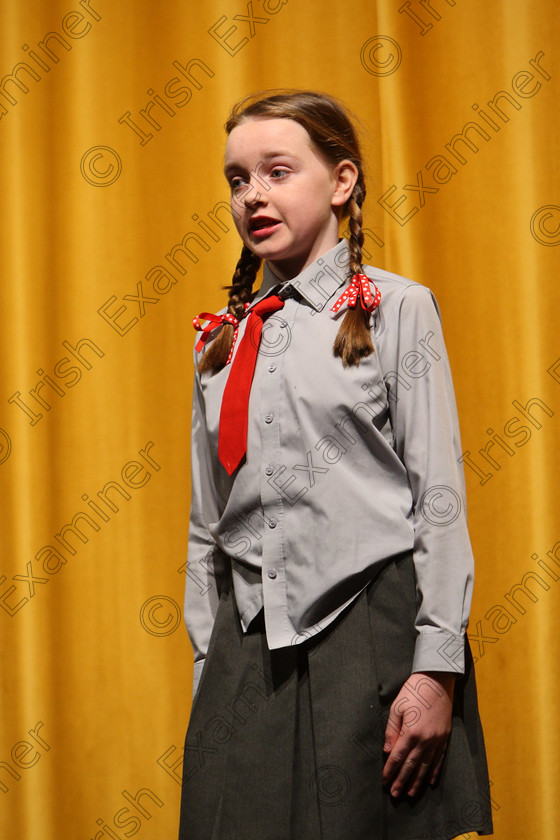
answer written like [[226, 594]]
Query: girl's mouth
[[264, 228]]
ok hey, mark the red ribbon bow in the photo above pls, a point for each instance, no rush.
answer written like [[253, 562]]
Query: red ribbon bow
[[359, 288], [217, 321], [213, 322]]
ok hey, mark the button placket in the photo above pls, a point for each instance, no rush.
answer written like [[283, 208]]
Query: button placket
[[269, 379]]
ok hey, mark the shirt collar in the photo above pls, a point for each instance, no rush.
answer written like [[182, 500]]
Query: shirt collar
[[318, 282]]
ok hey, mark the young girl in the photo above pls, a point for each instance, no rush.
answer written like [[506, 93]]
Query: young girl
[[329, 572]]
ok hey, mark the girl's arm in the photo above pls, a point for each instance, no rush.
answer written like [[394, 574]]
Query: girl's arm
[[426, 432], [427, 440], [206, 564]]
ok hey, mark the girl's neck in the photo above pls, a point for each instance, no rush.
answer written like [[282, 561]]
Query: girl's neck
[[285, 270]]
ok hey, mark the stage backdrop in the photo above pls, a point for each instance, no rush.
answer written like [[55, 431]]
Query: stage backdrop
[[116, 231]]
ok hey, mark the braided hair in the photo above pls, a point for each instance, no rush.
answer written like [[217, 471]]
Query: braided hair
[[332, 131]]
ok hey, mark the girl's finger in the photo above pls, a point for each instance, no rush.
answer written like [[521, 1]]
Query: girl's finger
[[393, 765], [416, 781], [440, 755], [409, 767]]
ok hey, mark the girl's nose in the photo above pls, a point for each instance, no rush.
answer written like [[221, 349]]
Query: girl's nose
[[252, 197], [254, 193]]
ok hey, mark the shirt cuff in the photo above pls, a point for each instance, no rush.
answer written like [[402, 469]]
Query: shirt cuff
[[439, 651], [197, 672]]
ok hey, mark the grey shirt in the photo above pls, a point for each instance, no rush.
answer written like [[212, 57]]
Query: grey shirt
[[346, 467]]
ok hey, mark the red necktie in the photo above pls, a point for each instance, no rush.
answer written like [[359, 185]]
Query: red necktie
[[232, 436]]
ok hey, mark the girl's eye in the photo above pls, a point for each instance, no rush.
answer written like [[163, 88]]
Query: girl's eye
[[236, 184]]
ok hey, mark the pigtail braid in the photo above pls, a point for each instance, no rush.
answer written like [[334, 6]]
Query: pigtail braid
[[353, 340], [240, 293]]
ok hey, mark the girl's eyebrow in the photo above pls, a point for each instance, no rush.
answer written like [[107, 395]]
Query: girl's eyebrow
[[268, 156]]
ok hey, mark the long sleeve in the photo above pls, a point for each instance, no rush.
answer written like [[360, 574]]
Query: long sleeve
[[205, 561], [427, 440]]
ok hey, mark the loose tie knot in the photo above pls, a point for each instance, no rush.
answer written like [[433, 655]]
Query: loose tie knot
[[359, 287], [266, 306]]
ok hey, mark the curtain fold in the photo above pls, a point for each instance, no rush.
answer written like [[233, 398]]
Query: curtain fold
[[115, 232]]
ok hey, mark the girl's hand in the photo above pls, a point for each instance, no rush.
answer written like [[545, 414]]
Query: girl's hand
[[417, 731]]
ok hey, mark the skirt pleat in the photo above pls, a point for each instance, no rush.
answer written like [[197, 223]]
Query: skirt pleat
[[288, 744]]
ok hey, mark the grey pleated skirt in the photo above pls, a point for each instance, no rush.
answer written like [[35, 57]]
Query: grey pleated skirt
[[288, 744]]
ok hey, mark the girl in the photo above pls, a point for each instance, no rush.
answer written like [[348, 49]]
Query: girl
[[329, 571]]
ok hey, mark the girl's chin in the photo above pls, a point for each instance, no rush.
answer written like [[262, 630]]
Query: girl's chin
[[266, 250]]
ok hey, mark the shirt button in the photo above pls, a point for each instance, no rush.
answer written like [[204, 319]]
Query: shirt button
[[283, 324], [269, 470], [268, 418], [271, 368], [272, 573], [272, 523]]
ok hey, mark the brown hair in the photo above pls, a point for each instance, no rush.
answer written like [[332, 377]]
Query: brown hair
[[331, 129]]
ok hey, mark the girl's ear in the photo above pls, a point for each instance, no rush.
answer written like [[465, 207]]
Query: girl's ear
[[345, 175]]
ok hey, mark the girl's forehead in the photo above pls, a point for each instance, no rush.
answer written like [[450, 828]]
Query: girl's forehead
[[278, 134]]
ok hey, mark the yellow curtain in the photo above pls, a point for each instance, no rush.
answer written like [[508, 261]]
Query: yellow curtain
[[115, 232]]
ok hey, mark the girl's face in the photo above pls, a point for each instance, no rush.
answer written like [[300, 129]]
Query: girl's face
[[284, 197]]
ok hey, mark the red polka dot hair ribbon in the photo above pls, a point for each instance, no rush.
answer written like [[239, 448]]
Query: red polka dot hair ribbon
[[359, 288], [213, 322]]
